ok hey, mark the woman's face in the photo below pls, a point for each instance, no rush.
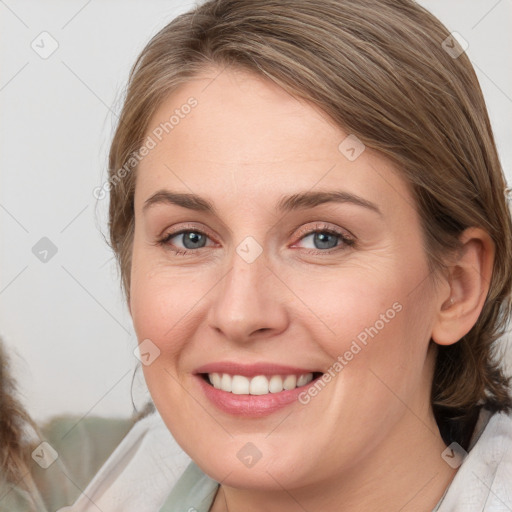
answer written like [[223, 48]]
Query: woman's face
[[303, 260]]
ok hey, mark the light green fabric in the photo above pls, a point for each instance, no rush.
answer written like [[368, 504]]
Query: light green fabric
[[82, 445], [193, 492]]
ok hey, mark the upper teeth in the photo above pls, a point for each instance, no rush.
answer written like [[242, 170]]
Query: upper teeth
[[259, 385]]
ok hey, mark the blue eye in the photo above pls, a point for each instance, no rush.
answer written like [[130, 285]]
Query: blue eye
[[325, 240], [191, 239]]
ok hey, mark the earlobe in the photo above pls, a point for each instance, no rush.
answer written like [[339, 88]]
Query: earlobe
[[470, 277]]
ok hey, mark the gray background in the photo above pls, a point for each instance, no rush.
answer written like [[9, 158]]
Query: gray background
[[64, 320]]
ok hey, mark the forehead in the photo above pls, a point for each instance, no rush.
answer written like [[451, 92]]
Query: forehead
[[231, 132]]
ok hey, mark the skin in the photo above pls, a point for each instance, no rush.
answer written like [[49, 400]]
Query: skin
[[368, 440]]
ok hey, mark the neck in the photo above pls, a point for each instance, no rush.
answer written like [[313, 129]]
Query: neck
[[406, 473]]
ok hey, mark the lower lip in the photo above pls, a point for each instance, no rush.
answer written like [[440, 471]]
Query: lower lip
[[250, 405]]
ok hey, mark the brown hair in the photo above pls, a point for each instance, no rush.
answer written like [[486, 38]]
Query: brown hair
[[380, 70], [15, 448]]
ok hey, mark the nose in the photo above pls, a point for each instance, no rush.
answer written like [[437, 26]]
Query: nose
[[249, 302]]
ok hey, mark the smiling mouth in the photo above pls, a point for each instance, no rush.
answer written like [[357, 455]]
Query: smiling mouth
[[259, 384]]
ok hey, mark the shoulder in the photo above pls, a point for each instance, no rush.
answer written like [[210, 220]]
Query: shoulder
[[140, 473], [484, 479]]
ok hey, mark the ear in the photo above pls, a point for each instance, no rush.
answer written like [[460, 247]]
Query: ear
[[469, 278]]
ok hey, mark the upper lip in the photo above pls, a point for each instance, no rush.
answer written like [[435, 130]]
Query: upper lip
[[251, 370]]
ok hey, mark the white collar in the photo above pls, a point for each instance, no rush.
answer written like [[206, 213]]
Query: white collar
[[139, 474], [484, 480]]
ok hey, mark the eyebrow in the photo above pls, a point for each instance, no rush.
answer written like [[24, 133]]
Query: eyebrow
[[297, 201]]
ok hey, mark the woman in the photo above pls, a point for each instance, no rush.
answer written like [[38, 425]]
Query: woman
[[309, 214]]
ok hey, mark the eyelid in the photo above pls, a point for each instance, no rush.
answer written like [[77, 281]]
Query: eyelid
[[324, 226], [167, 235], [346, 238], [186, 227]]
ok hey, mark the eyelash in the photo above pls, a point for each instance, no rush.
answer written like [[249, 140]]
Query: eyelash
[[318, 228]]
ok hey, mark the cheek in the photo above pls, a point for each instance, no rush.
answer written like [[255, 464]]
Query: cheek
[[160, 295], [164, 306], [168, 305], [349, 303], [161, 304], [370, 319]]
